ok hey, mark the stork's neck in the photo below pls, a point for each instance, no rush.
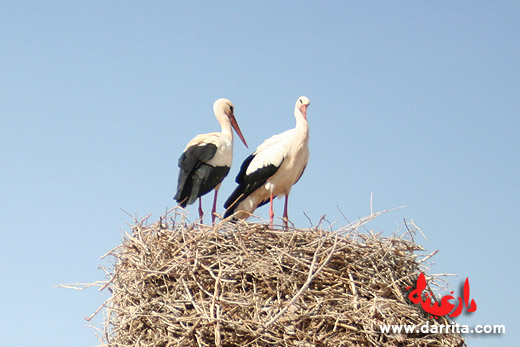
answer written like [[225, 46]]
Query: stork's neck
[[225, 124], [302, 126]]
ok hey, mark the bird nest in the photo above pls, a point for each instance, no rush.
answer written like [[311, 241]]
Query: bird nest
[[243, 284]]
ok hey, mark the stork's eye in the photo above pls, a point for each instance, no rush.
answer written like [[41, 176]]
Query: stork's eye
[[301, 102], [231, 107]]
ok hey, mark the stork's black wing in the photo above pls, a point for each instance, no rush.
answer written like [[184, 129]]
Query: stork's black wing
[[248, 183], [196, 177]]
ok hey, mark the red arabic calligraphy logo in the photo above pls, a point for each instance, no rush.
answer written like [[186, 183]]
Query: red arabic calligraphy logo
[[445, 307]]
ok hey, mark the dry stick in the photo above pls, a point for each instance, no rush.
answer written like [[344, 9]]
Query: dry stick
[[80, 286], [397, 290], [417, 228], [354, 291], [212, 307], [427, 257], [191, 297], [309, 280], [96, 312]]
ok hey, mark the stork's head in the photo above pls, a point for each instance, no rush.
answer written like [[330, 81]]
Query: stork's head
[[224, 111], [301, 105]]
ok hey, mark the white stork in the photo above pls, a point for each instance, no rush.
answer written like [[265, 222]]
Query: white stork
[[272, 169], [206, 160]]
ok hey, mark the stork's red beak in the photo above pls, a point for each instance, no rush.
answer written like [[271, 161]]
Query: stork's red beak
[[303, 111], [235, 126]]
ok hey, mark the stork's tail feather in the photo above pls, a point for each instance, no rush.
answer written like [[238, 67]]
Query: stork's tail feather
[[230, 206], [182, 202], [234, 200], [186, 194]]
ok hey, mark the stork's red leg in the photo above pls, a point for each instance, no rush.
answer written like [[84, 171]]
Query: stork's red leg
[[201, 213], [285, 217], [214, 209], [271, 212]]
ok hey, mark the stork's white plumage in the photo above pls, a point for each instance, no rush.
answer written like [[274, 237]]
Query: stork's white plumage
[[271, 171], [206, 160]]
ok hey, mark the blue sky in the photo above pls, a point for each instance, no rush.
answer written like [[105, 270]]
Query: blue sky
[[414, 102]]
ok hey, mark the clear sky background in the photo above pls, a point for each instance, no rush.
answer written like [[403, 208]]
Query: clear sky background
[[415, 102]]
